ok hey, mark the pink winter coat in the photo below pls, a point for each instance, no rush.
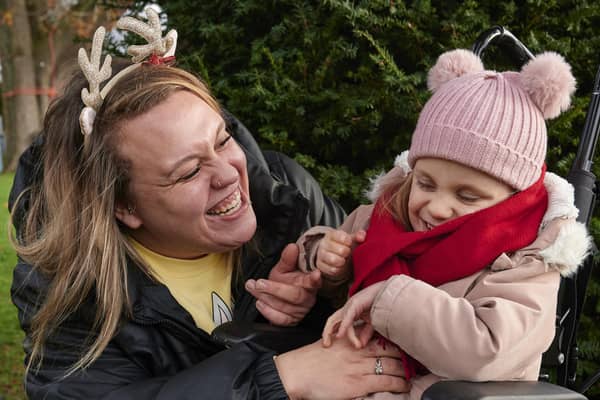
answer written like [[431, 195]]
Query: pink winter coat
[[492, 325]]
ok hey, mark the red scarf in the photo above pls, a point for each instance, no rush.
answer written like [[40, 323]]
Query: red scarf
[[451, 251]]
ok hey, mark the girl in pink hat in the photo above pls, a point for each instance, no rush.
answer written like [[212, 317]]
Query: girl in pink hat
[[458, 260]]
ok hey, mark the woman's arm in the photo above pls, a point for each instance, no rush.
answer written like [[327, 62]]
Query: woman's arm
[[245, 371], [242, 372]]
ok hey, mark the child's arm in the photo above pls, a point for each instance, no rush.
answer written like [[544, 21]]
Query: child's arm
[[328, 250], [498, 329]]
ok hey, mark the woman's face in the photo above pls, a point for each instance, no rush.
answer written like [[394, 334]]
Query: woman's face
[[443, 190], [188, 180]]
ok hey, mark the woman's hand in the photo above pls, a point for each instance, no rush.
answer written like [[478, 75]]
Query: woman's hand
[[334, 252], [289, 294], [340, 371], [358, 307]]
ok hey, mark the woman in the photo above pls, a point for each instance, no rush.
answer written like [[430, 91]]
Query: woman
[[135, 240]]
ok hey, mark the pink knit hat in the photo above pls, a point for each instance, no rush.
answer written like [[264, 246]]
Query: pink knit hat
[[492, 121]]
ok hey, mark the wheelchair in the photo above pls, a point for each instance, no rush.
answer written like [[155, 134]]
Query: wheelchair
[[561, 358]]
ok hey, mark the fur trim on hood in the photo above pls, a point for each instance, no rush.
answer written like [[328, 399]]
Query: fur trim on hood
[[569, 250], [572, 244]]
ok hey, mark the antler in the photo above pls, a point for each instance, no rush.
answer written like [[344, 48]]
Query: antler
[[92, 71], [152, 33], [157, 45]]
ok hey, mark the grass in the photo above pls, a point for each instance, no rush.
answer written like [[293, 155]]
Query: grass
[[11, 336]]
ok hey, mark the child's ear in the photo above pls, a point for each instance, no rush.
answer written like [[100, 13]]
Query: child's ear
[[127, 215]]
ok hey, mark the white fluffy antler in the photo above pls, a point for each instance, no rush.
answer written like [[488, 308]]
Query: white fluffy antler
[[152, 33], [95, 75], [92, 71], [157, 45]]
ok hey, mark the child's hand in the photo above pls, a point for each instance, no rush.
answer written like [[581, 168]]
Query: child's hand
[[358, 307], [334, 252]]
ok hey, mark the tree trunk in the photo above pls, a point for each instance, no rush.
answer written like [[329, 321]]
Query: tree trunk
[[38, 51], [21, 102]]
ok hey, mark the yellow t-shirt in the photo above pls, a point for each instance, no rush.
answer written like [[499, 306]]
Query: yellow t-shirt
[[202, 286]]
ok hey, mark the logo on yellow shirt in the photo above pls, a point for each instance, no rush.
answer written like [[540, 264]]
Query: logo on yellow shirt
[[220, 310]]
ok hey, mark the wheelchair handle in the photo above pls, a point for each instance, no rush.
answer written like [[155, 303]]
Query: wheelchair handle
[[589, 135], [504, 38]]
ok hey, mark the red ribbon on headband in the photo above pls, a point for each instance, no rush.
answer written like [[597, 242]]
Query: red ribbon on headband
[[158, 60]]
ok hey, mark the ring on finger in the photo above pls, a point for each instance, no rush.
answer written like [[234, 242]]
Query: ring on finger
[[378, 366]]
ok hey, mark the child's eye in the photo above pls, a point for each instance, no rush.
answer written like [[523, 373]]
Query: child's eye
[[468, 197], [424, 185], [190, 175], [224, 142]]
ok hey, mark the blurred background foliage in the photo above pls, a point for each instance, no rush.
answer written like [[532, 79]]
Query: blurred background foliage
[[338, 84]]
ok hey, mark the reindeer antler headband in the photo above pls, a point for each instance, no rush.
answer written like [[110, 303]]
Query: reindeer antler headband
[[157, 51]]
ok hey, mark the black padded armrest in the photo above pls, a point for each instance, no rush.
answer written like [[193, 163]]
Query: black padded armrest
[[507, 390], [277, 338]]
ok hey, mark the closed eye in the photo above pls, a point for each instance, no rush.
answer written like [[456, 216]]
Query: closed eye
[[424, 185], [189, 175], [467, 197], [223, 142]]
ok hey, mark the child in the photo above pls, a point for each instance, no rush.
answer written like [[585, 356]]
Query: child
[[468, 236]]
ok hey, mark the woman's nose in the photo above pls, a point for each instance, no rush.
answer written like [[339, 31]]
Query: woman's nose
[[224, 175]]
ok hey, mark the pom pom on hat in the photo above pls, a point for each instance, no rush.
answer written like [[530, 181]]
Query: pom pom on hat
[[453, 64], [549, 82]]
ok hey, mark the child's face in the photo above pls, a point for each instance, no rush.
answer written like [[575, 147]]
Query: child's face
[[443, 190]]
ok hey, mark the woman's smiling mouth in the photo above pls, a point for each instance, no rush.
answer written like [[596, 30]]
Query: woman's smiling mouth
[[228, 206]]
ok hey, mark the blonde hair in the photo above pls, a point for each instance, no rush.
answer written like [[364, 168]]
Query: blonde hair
[[70, 232], [394, 190]]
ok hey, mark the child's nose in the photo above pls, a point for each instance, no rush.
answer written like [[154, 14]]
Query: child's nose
[[440, 209]]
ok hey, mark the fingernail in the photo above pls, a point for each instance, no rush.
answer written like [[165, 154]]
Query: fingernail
[[259, 304], [250, 285], [261, 284]]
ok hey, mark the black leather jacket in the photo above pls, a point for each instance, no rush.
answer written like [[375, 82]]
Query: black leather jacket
[[159, 353]]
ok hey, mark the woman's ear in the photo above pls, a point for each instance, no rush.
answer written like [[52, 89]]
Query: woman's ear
[[127, 215]]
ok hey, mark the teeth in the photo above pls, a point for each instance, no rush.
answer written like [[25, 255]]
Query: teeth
[[227, 206]]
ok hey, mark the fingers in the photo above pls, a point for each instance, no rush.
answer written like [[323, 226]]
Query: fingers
[[334, 252], [390, 366], [311, 281], [337, 242], [277, 317], [353, 338], [327, 260], [264, 289], [288, 260], [360, 236], [390, 377], [365, 334], [331, 327], [280, 303], [351, 313], [385, 383], [375, 349], [284, 306]]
